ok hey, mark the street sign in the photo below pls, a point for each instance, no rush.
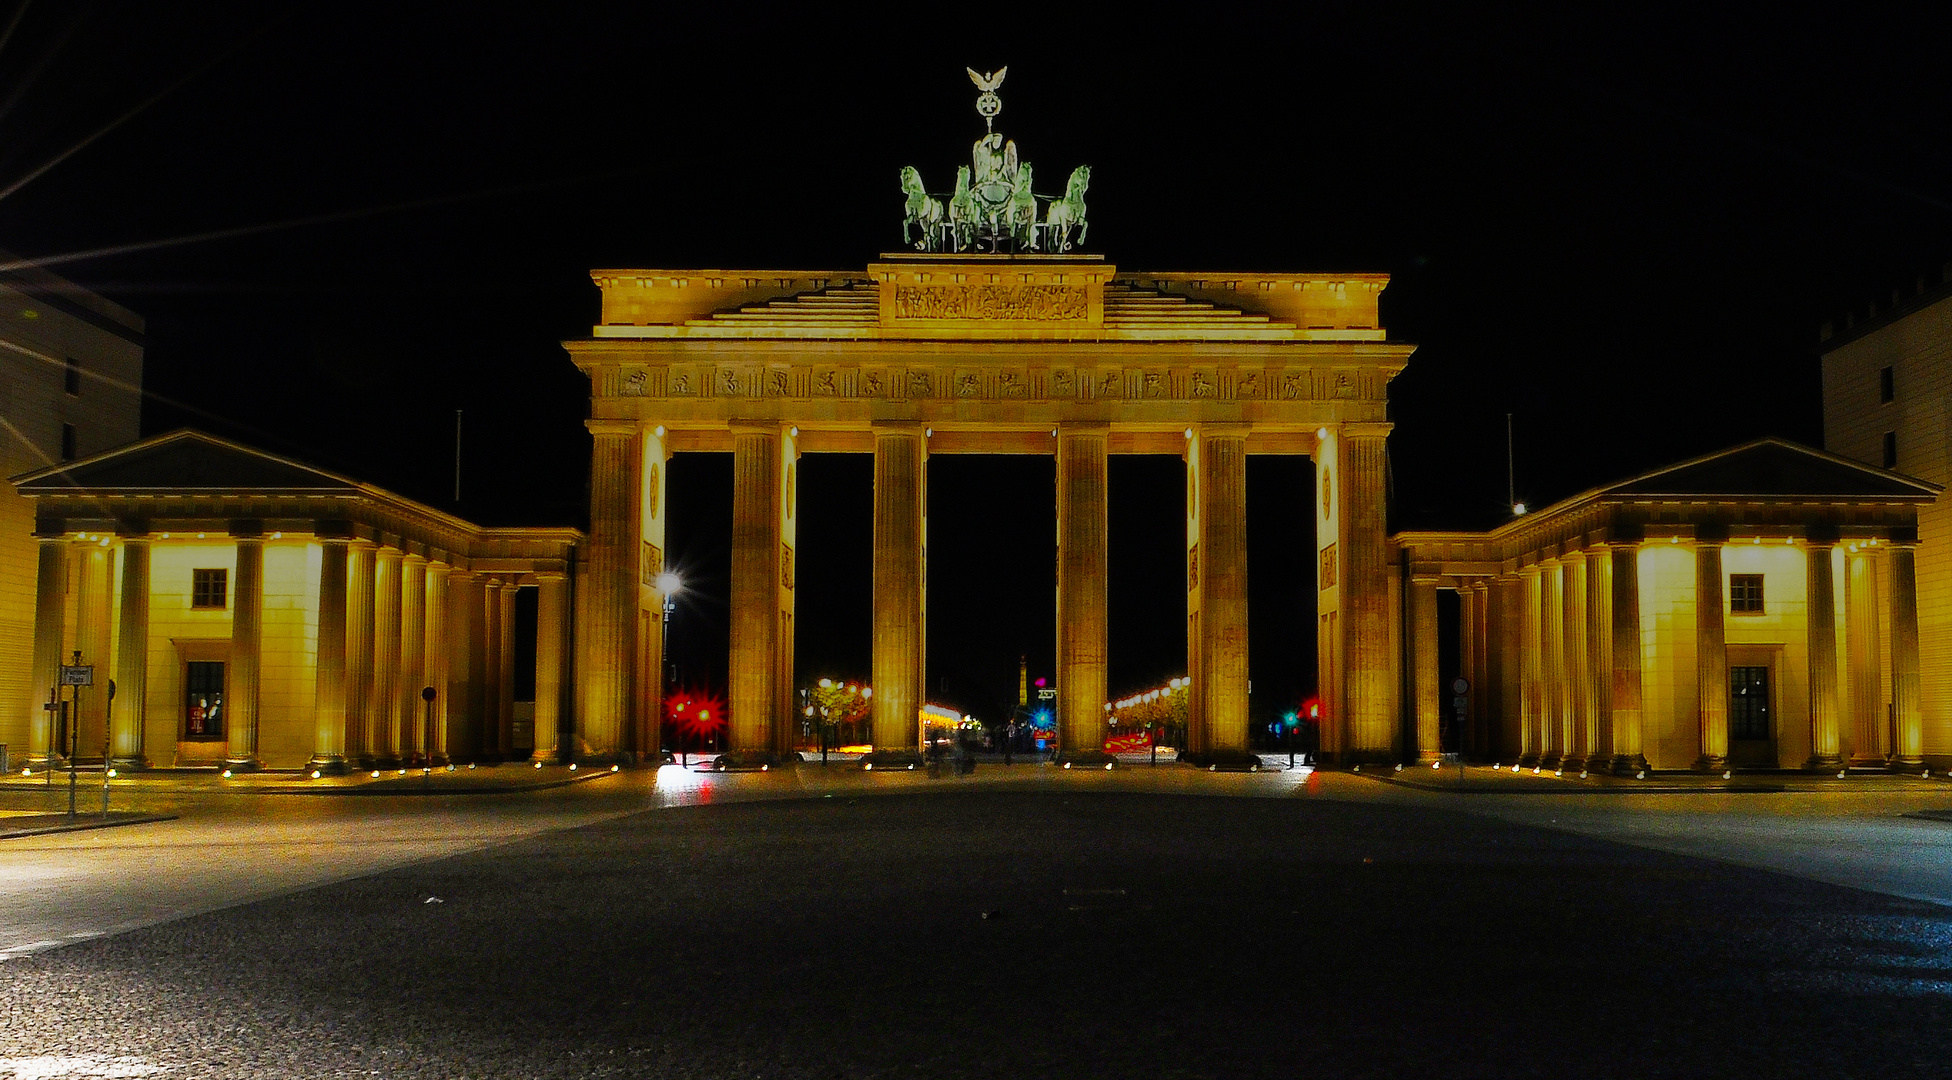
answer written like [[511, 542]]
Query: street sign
[[1460, 686], [1046, 694], [77, 675]]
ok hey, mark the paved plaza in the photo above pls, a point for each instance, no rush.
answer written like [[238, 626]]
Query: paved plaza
[[1023, 921]]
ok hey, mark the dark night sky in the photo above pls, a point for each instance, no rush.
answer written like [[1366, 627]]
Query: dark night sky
[[1624, 232]]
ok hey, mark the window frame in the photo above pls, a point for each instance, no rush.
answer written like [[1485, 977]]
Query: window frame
[[1891, 450], [1738, 589], [200, 594], [1887, 385]]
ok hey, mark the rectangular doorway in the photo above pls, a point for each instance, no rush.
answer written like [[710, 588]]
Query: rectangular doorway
[[203, 701], [1751, 718]]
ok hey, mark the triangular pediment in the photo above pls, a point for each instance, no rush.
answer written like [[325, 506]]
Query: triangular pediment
[[181, 461], [1772, 469]]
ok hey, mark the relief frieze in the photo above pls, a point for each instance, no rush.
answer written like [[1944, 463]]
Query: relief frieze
[[1005, 303]]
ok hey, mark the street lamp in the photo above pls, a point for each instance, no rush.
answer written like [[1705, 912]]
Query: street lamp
[[668, 585]]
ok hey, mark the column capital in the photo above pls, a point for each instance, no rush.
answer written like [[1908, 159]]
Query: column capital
[[612, 427], [1219, 430], [414, 557], [1363, 429]]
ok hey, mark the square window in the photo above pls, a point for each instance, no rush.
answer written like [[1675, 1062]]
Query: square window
[[1745, 594], [208, 588], [1887, 387], [1890, 449]]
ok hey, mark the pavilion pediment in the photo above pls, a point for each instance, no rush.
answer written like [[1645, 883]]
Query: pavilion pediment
[[181, 461], [1772, 469]]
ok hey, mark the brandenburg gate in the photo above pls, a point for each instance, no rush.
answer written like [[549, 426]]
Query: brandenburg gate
[[994, 335], [929, 354]]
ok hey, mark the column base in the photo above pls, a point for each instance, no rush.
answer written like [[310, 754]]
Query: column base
[[1711, 763], [1629, 765], [1908, 763], [544, 756], [1344, 757], [1084, 759], [754, 761], [613, 757], [243, 764], [898, 759], [1824, 763], [1530, 761], [1222, 760], [1870, 763], [1425, 757], [329, 765], [1548, 761], [1573, 763], [130, 763]]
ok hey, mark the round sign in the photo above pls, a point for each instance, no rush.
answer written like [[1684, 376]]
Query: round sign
[[989, 104], [1460, 686]]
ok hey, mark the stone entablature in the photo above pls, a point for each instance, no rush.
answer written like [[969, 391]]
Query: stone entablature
[[990, 297]]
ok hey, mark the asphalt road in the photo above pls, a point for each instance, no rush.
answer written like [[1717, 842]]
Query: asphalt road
[[1128, 934]]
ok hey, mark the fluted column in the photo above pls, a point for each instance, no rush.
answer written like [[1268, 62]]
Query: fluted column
[[648, 737], [359, 654], [244, 679], [1531, 700], [1710, 653], [50, 617], [1482, 671], [900, 569], [1865, 641], [384, 705], [551, 625], [431, 725], [1217, 645], [1424, 668], [1469, 649], [763, 456], [1826, 741], [92, 638], [1364, 571], [132, 658], [1557, 722], [487, 689], [1629, 755], [1082, 632], [1577, 677], [607, 615], [408, 709], [1908, 730], [467, 656], [1598, 681], [329, 711], [505, 674]]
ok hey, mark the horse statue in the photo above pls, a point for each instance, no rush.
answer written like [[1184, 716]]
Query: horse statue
[[1069, 210], [1021, 216], [963, 213], [920, 210]]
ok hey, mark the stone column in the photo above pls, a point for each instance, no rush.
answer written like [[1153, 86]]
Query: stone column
[[1575, 678], [551, 624], [243, 681], [1469, 651], [359, 654], [486, 693], [430, 732], [606, 619], [648, 737], [1710, 652], [92, 637], [1861, 626], [1217, 650], [762, 722], [467, 656], [1483, 673], [1365, 614], [1629, 756], [1424, 669], [1082, 632], [1530, 701], [1598, 680], [1556, 722], [1908, 728], [408, 709], [505, 674], [900, 568], [384, 706], [50, 619], [329, 740], [132, 658], [1826, 743]]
